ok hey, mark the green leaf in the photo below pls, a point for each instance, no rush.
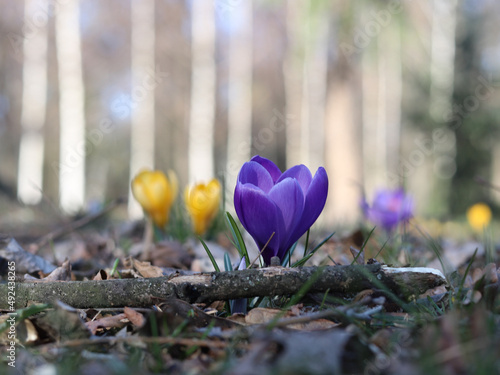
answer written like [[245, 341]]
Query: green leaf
[[363, 246], [288, 255], [296, 297], [227, 262], [307, 242], [302, 261], [238, 238], [115, 268], [209, 253]]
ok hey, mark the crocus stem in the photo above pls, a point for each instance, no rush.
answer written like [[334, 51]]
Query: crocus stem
[[148, 238]]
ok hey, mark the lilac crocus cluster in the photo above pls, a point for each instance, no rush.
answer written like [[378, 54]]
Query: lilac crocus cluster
[[268, 201], [389, 208]]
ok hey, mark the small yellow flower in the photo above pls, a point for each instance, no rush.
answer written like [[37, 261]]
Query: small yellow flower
[[479, 216], [202, 202], [156, 193]]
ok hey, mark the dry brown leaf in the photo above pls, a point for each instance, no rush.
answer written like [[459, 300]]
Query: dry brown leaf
[[106, 322], [490, 273], [146, 270], [433, 292], [171, 254], [136, 318], [472, 296], [314, 325], [62, 273], [477, 274], [261, 315], [101, 275], [358, 255], [31, 332], [238, 318]]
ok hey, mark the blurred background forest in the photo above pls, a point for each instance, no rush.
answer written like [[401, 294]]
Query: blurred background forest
[[380, 93]]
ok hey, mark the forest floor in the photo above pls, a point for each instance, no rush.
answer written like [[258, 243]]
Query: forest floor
[[452, 328]]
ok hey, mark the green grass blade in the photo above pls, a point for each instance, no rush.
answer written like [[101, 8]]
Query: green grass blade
[[302, 261], [209, 253], [115, 268], [363, 246], [227, 262], [296, 297], [307, 242], [462, 282], [288, 255], [242, 249]]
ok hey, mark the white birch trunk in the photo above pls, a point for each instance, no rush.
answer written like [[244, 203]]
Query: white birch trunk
[[293, 69], [495, 172], [394, 83], [369, 82], [343, 154], [314, 86], [444, 24], [71, 107], [240, 94], [34, 102], [142, 136], [202, 111], [382, 90]]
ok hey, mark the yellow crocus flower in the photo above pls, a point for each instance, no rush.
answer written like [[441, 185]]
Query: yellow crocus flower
[[202, 202], [155, 192], [479, 216]]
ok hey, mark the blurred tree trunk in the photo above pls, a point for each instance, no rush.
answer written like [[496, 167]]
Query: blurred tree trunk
[[495, 172], [343, 151], [314, 84], [202, 111], [305, 81], [444, 23], [343, 126], [240, 93], [34, 103], [382, 90], [142, 94], [293, 77], [392, 66], [71, 107]]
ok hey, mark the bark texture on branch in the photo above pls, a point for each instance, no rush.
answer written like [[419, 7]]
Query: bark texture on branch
[[208, 287]]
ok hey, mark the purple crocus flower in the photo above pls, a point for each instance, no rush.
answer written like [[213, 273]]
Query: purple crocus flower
[[389, 208], [286, 204]]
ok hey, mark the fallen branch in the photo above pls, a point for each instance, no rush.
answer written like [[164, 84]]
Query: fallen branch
[[207, 287]]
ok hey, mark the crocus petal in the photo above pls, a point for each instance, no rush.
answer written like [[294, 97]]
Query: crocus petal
[[272, 168], [250, 203], [156, 193], [288, 196], [315, 199], [286, 204], [237, 203], [389, 208], [202, 203], [301, 173], [253, 173]]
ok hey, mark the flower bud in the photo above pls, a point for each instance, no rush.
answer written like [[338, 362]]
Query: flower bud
[[156, 193], [202, 203]]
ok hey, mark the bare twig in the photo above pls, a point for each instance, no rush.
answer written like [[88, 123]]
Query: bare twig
[[216, 286]]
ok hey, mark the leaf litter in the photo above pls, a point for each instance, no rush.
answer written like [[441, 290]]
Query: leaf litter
[[452, 328]]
